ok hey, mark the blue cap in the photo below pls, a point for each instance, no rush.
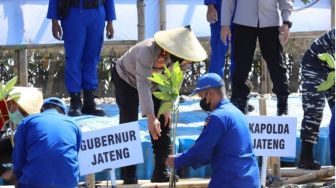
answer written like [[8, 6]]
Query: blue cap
[[56, 101], [209, 80]]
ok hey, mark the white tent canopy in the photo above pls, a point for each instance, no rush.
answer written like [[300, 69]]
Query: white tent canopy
[[24, 21]]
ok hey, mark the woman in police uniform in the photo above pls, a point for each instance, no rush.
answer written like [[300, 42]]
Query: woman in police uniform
[[133, 88]]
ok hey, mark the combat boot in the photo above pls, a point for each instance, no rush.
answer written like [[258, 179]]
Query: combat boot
[[128, 174], [160, 173], [241, 104], [89, 106], [75, 104], [282, 105], [307, 160]]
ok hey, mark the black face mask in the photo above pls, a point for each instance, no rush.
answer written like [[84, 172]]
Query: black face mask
[[174, 59], [204, 105]]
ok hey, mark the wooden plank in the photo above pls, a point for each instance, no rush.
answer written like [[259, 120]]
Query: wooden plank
[[183, 183], [163, 15], [21, 66], [262, 106], [51, 72], [294, 171], [16, 61], [297, 35], [90, 181], [317, 174], [141, 19], [266, 85], [23, 76], [275, 166], [332, 20]]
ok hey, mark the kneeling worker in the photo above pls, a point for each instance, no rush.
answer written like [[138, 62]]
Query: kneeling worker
[[225, 141], [46, 148]]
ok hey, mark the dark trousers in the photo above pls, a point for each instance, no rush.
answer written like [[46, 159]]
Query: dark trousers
[[128, 103], [6, 151], [243, 45]]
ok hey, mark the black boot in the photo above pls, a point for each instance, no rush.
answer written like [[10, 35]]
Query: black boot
[[89, 106], [307, 159], [160, 173], [75, 105], [241, 104], [128, 174], [282, 105]]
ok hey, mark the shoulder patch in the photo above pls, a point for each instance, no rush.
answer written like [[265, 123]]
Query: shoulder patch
[[206, 121]]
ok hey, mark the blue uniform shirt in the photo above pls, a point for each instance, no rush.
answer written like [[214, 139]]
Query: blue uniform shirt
[[109, 10], [45, 151], [225, 143]]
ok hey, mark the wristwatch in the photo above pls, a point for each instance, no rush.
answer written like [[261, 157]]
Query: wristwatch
[[288, 23]]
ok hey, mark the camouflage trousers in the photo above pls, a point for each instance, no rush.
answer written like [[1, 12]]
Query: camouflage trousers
[[313, 102]]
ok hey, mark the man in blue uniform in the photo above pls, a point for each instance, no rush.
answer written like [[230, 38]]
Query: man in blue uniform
[[225, 141], [218, 48], [46, 148], [82, 30], [332, 137]]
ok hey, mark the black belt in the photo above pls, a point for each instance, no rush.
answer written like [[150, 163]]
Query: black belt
[[88, 4]]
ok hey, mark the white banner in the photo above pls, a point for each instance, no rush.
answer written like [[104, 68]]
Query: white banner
[[25, 22], [273, 135], [112, 147]]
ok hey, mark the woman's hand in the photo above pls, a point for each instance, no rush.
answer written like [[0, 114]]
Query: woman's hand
[[154, 126]]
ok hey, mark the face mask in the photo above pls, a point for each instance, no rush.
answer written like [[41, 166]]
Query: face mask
[[16, 117], [204, 105]]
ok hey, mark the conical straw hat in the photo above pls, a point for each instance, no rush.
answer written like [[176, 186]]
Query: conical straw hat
[[182, 43], [31, 99]]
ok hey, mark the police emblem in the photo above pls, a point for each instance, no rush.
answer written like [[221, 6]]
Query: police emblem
[[206, 121]]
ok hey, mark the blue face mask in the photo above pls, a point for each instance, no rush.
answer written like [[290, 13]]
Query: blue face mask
[[16, 117]]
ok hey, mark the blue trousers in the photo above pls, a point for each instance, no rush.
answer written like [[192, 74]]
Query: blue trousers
[[332, 137], [83, 31], [218, 50]]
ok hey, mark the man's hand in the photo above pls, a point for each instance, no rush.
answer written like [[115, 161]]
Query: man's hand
[[283, 33], [225, 34], [212, 15], [56, 30], [167, 118], [109, 30], [170, 161], [154, 126]]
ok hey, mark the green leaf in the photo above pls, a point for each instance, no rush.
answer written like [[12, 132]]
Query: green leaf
[[327, 58], [159, 79], [14, 96], [167, 89], [162, 95], [173, 97], [328, 83], [167, 72], [176, 78], [305, 1], [3, 95], [10, 85], [165, 106]]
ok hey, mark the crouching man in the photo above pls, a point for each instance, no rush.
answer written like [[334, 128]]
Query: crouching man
[[46, 148], [225, 141]]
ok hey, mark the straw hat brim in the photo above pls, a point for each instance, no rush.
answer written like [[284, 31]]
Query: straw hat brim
[[31, 99], [182, 43]]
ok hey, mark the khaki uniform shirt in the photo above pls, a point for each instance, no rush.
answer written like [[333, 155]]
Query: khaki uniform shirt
[[136, 65]]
